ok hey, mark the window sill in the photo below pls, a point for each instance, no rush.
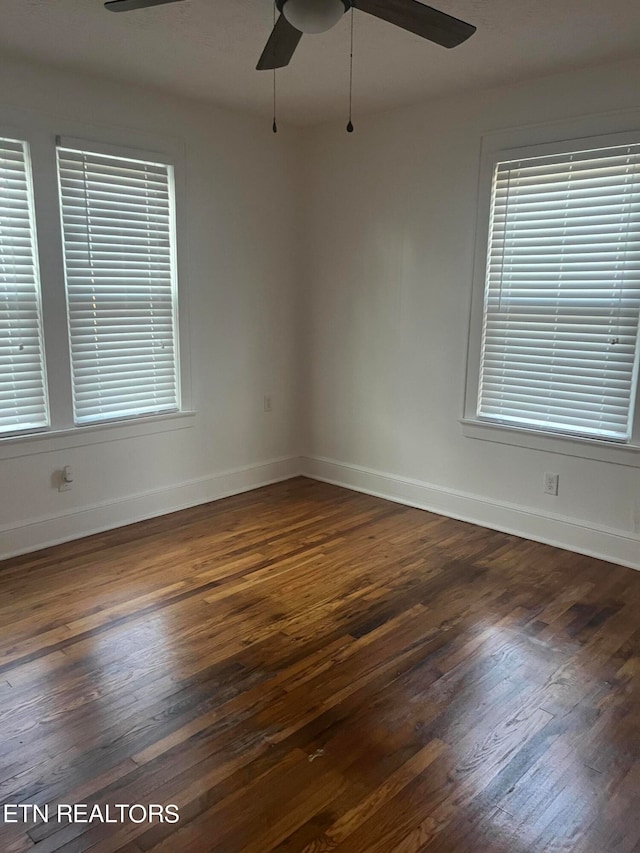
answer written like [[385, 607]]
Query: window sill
[[586, 448], [49, 441]]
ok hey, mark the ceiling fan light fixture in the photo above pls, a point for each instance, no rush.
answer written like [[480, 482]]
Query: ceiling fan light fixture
[[314, 16]]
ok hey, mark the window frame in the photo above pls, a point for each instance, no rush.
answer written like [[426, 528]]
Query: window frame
[[556, 138], [41, 136]]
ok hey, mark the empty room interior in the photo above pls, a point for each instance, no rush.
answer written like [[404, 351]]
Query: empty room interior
[[319, 426]]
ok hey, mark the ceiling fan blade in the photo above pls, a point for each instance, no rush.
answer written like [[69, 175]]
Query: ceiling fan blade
[[130, 5], [419, 19], [281, 46]]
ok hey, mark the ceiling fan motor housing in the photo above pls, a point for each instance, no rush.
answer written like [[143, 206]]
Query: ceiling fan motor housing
[[346, 3], [313, 16]]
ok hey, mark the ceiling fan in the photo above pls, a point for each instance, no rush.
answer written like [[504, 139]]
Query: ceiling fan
[[317, 16]]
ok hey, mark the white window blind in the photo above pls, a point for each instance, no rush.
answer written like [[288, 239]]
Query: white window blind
[[118, 231], [562, 295], [23, 399]]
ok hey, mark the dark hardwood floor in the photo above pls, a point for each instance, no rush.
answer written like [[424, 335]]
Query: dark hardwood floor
[[304, 668]]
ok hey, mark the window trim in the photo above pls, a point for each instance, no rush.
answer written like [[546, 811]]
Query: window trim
[[48, 440], [512, 144], [41, 133], [595, 449]]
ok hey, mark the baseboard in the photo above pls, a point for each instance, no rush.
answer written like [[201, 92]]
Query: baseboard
[[39, 533], [614, 546], [610, 544]]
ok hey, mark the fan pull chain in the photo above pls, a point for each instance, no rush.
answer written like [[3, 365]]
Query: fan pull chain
[[275, 123], [274, 127], [350, 125]]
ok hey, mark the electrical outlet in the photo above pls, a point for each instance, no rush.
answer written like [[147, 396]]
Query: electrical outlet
[[268, 406], [65, 482], [551, 484]]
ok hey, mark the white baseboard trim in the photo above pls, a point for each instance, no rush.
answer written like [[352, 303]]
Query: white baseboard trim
[[604, 543], [39, 533]]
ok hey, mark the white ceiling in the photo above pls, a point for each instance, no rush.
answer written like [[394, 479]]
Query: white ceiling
[[207, 49]]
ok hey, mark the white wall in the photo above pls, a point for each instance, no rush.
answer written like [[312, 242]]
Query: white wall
[[392, 211], [240, 279], [359, 298]]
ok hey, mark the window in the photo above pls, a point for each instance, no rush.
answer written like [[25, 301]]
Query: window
[[89, 326], [559, 347], [23, 396], [118, 237]]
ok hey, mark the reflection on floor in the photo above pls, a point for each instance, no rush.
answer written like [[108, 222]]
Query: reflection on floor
[[304, 668]]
